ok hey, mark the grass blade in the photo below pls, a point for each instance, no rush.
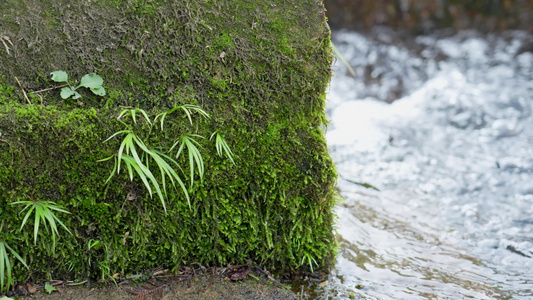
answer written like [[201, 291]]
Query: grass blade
[[52, 206], [177, 178], [339, 55], [106, 159], [44, 211], [128, 165], [113, 171], [122, 113], [132, 113], [188, 113], [196, 108], [198, 159], [27, 214], [47, 215], [143, 173], [163, 168], [195, 157], [59, 209], [145, 115], [162, 116], [221, 146], [191, 167], [178, 142], [3, 259], [126, 143], [7, 268], [187, 109], [116, 133], [131, 163], [36, 223], [16, 255]]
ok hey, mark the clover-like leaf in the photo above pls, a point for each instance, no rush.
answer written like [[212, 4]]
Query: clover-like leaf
[[59, 76], [91, 81], [76, 95], [66, 92], [100, 91], [49, 288]]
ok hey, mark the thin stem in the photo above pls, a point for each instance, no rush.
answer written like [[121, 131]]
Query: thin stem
[[23, 91], [49, 89]]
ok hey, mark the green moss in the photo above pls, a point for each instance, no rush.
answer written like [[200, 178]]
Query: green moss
[[259, 70]]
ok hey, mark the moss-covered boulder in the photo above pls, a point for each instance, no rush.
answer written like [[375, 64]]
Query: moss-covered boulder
[[258, 68]]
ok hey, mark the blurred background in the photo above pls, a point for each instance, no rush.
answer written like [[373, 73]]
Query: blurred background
[[433, 143], [423, 16]]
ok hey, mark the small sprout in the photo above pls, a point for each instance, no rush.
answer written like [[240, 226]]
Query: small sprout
[[44, 213], [92, 81], [222, 146]]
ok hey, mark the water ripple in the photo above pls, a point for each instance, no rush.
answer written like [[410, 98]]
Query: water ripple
[[451, 159]]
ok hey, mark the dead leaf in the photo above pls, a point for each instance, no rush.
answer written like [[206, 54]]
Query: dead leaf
[[31, 289], [240, 273]]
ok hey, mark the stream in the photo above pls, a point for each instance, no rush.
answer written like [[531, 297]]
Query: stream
[[433, 142]]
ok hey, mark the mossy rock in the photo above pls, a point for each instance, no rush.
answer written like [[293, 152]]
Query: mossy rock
[[258, 68]]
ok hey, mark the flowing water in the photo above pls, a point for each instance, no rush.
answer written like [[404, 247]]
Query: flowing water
[[433, 142]]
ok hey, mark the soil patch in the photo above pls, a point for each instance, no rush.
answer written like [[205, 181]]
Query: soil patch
[[214, 283]]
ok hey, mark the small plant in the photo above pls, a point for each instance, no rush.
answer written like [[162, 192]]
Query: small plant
[[105, 269], [133, 113], [310, 260], [222, 146], [195, 157], [137, 156], [129, 155], [44, 211], [91, 81], [187, 108], [5, 265]]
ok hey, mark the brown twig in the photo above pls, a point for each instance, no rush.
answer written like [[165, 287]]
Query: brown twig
[[3, 39], [266, 273], [49, 89], [40, 97], [23, 91], [159, 272]]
